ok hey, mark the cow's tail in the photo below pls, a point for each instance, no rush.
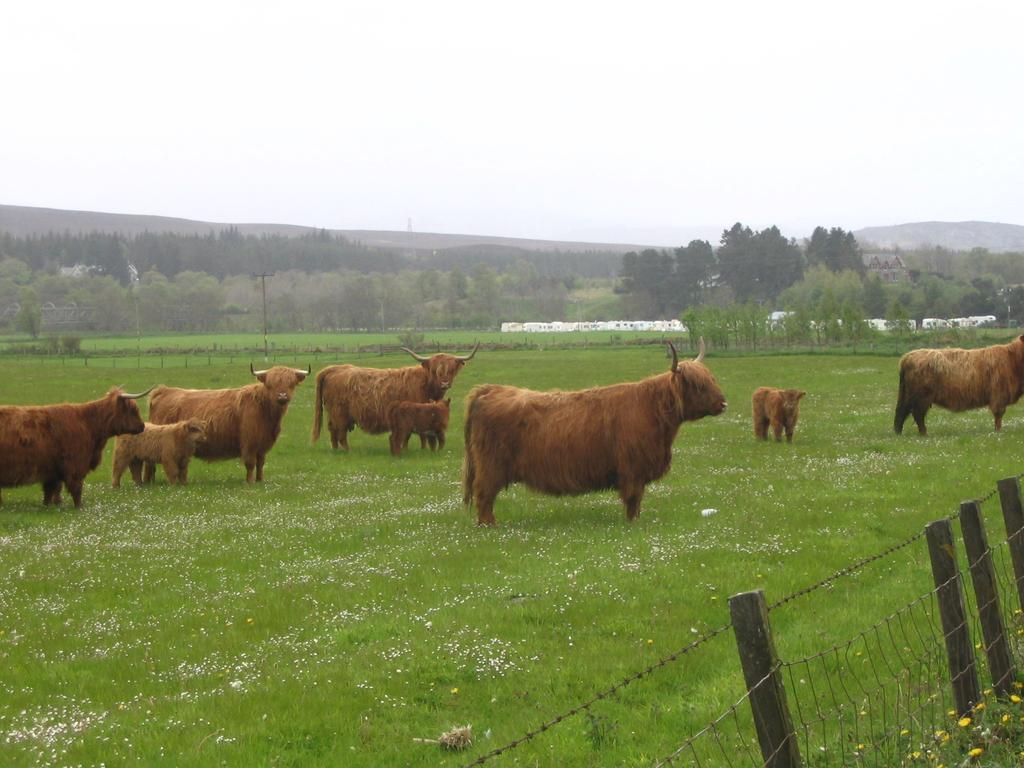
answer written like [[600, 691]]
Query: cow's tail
[[468, 451], [902, 402], [318, 406]]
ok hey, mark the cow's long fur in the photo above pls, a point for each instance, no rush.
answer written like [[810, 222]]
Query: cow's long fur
[[779, 408], [170, 445], [61, 444], [354, 396], [241, 422], [428, 420], [564, 443], [960, 380]]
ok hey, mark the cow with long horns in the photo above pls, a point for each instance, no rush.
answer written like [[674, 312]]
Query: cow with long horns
[[567, 443], [354, 396], [60, 444], [240, 422]]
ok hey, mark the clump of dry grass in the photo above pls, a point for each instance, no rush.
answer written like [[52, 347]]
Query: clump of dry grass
[[456, 739]]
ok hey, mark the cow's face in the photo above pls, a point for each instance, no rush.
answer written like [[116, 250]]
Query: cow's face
[[280, 382], [791, 401], [196, 431], [700, 392], [127, 419], [441, 372]]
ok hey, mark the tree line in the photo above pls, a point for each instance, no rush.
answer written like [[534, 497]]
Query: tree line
[[228, 252], [823, 277]]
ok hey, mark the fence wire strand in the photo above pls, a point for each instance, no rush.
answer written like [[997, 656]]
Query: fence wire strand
[[603, 694]]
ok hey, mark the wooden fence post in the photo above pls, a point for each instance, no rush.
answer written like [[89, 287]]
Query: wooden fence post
[[986, 597], [1013, 516], [764, 683], [949, 592]]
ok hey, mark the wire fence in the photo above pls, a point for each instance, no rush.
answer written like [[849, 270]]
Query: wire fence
[[888, 695]]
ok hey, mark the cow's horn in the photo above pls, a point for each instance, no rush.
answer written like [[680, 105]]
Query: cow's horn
[[421, 358], [467, 358], [700, 353], [309, 370], [255, 373], [128, 396], [675, 357]]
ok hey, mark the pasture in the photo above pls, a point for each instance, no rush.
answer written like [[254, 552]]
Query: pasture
[[349, 604]]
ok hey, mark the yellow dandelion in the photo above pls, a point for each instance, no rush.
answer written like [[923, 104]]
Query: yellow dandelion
[[650, 642], [860, 746], [455, 691], [1006, 718], [963, 722], [905, 732], [1015, 698], [951, 712], [987, 692], [976, 752], [915, 755], [979, 706]]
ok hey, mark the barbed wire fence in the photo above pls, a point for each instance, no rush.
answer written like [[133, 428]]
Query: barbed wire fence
[[887, 695]]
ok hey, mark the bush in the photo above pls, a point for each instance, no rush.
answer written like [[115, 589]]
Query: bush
[[71, 345], [411, 339]]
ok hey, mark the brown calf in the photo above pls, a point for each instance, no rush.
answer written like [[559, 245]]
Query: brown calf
[[170, 445], [960, 380], [360, 397], [778, 407], [428, 420], [241, 422], [564, 443], [60, 444]]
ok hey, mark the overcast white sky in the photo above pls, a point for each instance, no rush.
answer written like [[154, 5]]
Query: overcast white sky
[[535, 119]]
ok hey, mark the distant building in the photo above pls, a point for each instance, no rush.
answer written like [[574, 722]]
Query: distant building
[[889, 267]]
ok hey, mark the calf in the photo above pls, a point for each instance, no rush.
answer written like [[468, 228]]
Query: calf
[[171, 445], [778, 407], [428, 420]]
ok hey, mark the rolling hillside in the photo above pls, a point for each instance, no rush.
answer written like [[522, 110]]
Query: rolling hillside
[[955, 235], [23, 220]]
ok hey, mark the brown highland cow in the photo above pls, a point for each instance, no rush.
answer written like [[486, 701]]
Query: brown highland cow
[[959, 380], [170, 445], [354, 396], [428, 420], [60, 444], [778, 407], [567, 443], [241, 422]]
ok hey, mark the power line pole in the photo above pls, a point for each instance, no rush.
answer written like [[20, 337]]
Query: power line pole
[[263, 278]]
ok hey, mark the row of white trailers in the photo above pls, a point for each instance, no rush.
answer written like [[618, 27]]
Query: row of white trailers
[[774, 320]]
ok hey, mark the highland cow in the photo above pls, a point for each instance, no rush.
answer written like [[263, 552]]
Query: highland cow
[[170, 445], [243, 422], [960, 380], [60, 444], [360, 397], [568, 443], [428, 420], [778, 407]]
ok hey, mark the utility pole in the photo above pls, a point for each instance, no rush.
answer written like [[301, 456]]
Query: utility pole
[[263, 278]]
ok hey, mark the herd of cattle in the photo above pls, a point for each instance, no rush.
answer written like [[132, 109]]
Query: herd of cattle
[[610, 437]]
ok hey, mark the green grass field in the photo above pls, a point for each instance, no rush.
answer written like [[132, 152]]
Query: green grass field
[[349, 605]]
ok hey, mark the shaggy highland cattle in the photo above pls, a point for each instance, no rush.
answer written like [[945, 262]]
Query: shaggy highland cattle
[[241, 422], [60, 444], [778, 407], [428, 420], [170, 445], [566, 443], [354, 396], [960, 380]]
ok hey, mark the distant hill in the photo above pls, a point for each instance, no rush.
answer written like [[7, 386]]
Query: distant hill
[[955, 235], [22, 221]]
